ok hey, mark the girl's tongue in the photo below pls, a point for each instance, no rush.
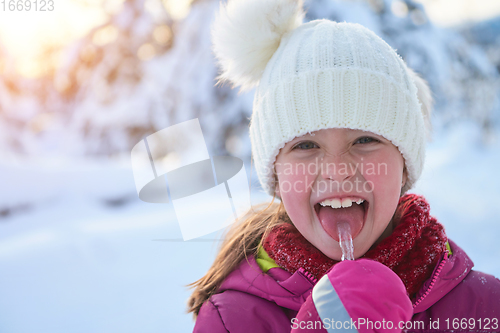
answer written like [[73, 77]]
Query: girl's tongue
[[330, 217]]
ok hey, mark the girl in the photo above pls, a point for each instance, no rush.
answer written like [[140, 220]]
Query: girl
[[338, 135]]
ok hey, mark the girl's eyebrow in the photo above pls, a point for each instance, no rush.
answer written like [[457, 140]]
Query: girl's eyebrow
[[303, 137], [362, 133], [356, 134]]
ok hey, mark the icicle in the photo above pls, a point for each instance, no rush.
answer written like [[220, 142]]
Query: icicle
[[345, 240]]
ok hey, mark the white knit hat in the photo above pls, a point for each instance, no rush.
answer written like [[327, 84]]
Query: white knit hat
[[317, 75]]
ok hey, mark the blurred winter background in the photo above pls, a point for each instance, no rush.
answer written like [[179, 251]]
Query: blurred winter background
[[82, 84]]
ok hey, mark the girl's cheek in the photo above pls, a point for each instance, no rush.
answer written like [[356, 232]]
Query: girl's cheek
[[295, 184]]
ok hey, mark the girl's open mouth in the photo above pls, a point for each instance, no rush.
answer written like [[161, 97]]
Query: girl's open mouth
[[351, 210]]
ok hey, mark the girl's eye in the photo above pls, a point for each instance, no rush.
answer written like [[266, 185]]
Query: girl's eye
[[366, 139], [306, 145]]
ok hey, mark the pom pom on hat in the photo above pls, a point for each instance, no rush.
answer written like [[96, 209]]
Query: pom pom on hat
[[246, 34]]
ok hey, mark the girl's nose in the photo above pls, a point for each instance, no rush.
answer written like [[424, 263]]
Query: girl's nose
[[337, 167]]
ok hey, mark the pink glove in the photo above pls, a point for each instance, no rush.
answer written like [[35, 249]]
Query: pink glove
[[359, 296]]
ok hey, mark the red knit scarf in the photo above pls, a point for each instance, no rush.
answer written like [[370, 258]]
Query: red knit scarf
[[411, 251]]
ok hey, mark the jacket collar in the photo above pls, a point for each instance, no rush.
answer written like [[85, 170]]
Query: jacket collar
[[416, 235], [450, 271], [279, 286]]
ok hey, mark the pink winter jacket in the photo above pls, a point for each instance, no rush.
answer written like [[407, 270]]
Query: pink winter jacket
[[455, 298]]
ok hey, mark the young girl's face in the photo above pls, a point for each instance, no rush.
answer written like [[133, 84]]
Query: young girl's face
[[360, 172]]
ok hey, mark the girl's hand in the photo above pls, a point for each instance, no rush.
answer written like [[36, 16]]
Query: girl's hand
[[358, 296]]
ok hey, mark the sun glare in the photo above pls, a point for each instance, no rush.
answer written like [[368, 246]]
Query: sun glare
[[27, 34], [178, 9]]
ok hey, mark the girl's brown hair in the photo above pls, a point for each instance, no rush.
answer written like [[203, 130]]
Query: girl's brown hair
[[243, 239]]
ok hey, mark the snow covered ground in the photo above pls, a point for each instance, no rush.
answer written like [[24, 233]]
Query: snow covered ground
[[83, 254]]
